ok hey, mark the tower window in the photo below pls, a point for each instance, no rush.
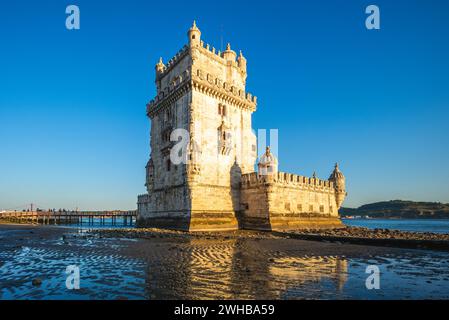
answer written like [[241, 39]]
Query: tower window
[[321, 209], [193, 37], [222, 110]]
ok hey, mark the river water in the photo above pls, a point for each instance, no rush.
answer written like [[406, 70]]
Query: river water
[[415, 225]]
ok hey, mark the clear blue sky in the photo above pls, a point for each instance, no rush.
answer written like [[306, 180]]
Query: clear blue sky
[[73, 130]]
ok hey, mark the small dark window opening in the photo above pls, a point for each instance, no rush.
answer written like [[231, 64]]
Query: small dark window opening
[[168, 164], [222, 110]]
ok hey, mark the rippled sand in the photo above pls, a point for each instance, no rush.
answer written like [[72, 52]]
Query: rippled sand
[[238, 267]]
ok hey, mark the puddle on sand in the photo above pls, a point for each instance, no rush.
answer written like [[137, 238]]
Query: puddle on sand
[[104, 273], [215, 269]]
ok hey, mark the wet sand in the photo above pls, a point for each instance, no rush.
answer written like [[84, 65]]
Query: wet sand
[[236, 265]]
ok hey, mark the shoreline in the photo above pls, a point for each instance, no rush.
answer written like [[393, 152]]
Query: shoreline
[[348, 235]]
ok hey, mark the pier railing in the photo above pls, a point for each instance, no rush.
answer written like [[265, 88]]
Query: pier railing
[[71, 217]]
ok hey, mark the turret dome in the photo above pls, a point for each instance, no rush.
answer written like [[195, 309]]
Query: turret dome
[[339, 184], [268, 163], [268, 158], [336, 174]]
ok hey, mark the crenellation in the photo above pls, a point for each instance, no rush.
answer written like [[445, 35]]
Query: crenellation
[[283, 178]]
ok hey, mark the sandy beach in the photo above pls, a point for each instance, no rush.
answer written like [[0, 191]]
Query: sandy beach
[[236, 265]]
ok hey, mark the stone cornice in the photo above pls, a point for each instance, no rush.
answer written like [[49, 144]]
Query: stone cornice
[[214, 87], [168, 96], [206, 84]]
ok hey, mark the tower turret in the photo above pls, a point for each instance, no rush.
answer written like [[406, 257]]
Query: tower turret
[[194, 35], [228, 54], [150, 175], [160, 68], [338, 179], [242, 62], [268, 164]]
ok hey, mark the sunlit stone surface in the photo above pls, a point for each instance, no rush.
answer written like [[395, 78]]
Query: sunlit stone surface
[[203, 91]]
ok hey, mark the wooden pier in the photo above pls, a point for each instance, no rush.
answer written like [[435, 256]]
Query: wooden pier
[[127, 218]]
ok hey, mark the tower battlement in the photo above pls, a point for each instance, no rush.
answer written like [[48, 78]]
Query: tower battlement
[[166, 68], [221, 75], [283, 178], [220, 56]]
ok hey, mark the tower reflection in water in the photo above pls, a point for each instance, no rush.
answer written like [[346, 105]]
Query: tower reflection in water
[[240, 269]]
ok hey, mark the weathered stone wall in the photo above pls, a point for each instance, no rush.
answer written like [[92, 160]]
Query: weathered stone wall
[[214, 207], [167, 203], [283, 201], [173, 116], [165, 208], [215, 189]]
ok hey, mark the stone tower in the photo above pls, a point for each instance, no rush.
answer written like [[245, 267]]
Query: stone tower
[[200, 173], [203, 93], [338, 179]]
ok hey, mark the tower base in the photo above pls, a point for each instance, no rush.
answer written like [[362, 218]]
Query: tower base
[[194, 221]]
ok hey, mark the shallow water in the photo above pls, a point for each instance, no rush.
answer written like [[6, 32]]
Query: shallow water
[[97, 224], [105, 274], [242, 268], [414, 225]]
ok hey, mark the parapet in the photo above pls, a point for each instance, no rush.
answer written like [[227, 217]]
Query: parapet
[[286, 179], [227, 57], [173, 61], [171, 90]]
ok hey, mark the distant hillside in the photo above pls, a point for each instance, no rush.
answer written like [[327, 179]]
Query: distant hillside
[[400, 209]]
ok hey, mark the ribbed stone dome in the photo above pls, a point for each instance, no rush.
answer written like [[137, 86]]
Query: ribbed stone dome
[[336, 174], [268, 158]]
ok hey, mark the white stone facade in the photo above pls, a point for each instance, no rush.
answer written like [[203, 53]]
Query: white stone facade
[[203, 92]]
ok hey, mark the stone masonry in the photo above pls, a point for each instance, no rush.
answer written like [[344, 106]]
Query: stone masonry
[[202, 115]]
